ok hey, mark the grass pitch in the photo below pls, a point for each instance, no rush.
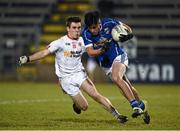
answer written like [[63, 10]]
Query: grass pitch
[[43, 106]]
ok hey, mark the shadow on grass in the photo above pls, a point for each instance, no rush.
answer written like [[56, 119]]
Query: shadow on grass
[[71, 124], [79, 120]]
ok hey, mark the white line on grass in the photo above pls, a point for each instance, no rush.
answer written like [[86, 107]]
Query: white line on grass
[[26, 101], [29, 101]]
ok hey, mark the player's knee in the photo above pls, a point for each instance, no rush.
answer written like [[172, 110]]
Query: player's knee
[[84, 107], [116, 78]]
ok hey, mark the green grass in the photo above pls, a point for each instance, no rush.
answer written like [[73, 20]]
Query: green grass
[[40, 106]]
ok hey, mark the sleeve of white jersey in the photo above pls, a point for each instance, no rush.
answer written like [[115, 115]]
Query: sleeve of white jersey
[[55, 45]]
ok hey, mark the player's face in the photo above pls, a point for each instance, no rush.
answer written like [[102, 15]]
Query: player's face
[[95, 28], [74, 30]]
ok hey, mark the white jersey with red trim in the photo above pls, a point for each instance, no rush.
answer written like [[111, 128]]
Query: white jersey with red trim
[[68, 54]]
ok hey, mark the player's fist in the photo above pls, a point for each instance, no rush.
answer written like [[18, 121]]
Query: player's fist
[[23, 60], [124, 38], [105, 47]]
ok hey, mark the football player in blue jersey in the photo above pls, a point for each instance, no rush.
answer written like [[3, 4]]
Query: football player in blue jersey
[[111, 57]]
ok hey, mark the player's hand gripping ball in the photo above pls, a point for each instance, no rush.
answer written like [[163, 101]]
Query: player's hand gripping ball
[[120, 33]]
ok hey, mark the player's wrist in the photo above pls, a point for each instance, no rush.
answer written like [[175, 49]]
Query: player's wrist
[[101, 51], [28, 59], [105, 47]]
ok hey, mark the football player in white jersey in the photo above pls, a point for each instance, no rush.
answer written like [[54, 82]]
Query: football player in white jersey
[[70, 71]]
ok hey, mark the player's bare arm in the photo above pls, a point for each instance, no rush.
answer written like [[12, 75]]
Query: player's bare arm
[[93, 52], [96, 52], [36, 56], [39, 55]]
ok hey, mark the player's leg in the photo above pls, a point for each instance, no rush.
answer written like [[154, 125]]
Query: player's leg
[[142, 103], [80, 103], [69, 86], [118, 71], [135, 92], [90, 89]]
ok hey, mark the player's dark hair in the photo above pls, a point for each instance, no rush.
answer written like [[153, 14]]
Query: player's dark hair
[[75, 19], [91, 18]]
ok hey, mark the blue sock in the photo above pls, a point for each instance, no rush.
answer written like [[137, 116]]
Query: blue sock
[[134, 103], [142, 105]]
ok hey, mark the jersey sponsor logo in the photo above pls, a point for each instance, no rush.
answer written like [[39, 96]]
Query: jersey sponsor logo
[[72, 53], [67, 43], [76, 53], [67, 54]]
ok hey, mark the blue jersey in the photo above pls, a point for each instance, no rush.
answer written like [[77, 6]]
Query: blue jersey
[[107, 58]]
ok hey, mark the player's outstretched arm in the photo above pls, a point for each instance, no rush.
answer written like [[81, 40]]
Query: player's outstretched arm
[[36, 56]]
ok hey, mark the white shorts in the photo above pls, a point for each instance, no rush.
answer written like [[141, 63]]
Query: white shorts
[[71, 84], [122, 59]]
